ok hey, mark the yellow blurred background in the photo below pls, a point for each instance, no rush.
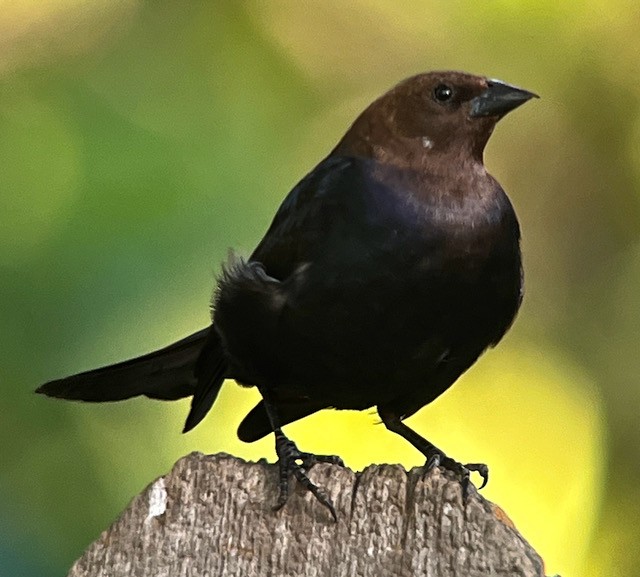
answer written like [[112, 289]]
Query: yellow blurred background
[[140, 140]]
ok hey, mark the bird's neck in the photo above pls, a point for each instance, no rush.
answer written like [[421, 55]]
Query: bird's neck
[[413, 155], [422, 153]]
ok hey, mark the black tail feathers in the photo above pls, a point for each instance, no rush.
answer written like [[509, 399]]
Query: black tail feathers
[[210, 372], [195, 365], [165, 374]]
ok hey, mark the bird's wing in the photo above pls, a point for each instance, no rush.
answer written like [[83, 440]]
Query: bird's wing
[[298, 230], [309, 215]]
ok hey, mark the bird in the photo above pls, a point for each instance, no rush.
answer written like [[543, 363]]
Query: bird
[[385, 274]]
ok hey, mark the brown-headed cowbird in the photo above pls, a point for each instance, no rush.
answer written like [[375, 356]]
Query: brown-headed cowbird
[[385, 274]]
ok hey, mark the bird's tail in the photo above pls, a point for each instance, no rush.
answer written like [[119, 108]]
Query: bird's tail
[[169, 373], [210, 371]]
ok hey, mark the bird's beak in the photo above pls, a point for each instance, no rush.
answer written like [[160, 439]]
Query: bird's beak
[[498, 99]]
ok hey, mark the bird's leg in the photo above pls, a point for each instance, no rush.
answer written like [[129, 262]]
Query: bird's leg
[[435, 457], [292, 461]]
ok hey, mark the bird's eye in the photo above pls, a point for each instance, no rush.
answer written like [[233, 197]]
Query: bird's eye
[[442, 93]]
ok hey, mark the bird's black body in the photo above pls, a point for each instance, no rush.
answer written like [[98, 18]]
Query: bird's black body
[[386, 272], [383, 299]]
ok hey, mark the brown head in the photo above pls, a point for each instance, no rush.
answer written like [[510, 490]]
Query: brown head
[[432, 114]]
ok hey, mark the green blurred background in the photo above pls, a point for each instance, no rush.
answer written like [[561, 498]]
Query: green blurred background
[[140, 140]]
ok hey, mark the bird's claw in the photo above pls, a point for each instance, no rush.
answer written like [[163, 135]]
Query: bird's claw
[[462, 471], [294, 462], [481, 469], [432, 462]]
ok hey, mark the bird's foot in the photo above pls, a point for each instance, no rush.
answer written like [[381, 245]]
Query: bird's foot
[[294, 462], [462, 471]]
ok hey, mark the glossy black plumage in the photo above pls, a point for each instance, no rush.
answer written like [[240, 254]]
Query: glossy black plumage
[[386, 272]]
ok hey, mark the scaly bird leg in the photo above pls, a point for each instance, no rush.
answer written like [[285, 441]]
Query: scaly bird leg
[[435, 457], [293, 462]]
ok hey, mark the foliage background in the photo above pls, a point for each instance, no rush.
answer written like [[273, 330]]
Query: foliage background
[[139, 140]]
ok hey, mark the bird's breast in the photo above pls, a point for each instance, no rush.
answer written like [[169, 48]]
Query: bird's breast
[[452, 255], [440, 220]]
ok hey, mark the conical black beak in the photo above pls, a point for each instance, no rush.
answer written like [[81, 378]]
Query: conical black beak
[[498, 99]]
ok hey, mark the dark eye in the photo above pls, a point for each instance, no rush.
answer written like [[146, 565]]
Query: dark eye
[[442, 92]]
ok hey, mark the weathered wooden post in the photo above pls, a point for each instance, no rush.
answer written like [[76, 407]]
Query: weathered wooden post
[[212, 516]]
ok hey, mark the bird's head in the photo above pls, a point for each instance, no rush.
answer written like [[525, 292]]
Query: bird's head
[[435, 113]]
